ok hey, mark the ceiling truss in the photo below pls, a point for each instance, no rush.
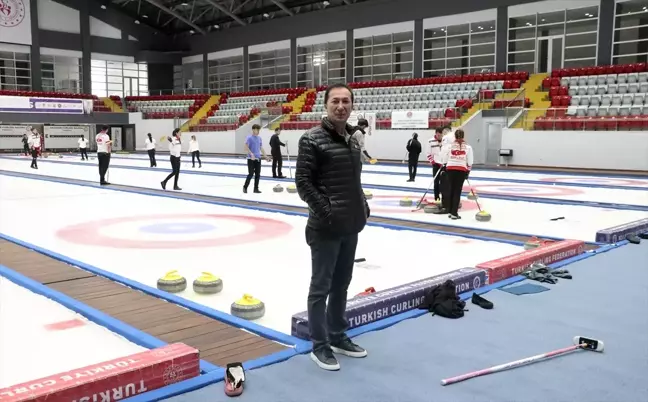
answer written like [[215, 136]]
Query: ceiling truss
[[199, 17]]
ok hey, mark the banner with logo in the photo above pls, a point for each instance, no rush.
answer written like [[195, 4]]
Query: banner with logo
[[15, 22], [404, 119], [69, 131], [25, 104]]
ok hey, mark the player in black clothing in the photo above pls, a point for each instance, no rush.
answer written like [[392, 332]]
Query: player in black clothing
[[275, 151]]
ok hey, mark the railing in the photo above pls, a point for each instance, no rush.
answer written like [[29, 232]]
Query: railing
[[186, 91], [558, 120]]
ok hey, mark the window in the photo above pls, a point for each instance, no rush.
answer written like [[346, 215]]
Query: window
[[384, 57], [321, 64], [269, 70], [15, 71], [118, 78], [226, 75], [630, 42], [459, 49], [61, 74], [573, 33]]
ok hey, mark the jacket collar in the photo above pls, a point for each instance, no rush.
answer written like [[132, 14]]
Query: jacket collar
[[330, 128]]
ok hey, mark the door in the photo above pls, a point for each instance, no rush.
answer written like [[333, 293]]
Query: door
[[131, 86], [129, 138], [550, 53], [116, 136], [493, 143]]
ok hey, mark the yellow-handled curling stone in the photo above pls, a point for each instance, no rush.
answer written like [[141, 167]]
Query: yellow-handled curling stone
[[172, 282], [249, 308], [471, 195], [208, 284], [406, 202], [368, 194], [292, 189]]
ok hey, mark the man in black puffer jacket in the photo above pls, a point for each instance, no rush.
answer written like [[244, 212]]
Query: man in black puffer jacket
[[327, 177]]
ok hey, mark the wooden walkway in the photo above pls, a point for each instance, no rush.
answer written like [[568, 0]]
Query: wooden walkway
[[218, 343]]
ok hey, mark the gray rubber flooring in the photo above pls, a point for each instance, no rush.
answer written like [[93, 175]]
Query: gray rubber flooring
[[607, 300]]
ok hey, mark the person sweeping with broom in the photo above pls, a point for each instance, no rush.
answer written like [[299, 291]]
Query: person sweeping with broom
[[360, 130], [457, 160]]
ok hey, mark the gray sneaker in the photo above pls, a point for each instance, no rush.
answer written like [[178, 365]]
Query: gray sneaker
[[325, 360]]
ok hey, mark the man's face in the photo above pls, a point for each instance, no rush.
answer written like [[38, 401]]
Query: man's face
[[255, 132], [339, 105], [277, 132]]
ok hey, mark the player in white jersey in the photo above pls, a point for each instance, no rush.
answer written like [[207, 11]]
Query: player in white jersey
[[83, 148], [458, 159], [103, 153], [175, 149], [150, 149], [34, 142], [194, 151], [359, 134], [434, 157]]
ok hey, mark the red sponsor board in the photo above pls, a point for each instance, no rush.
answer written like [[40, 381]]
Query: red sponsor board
[[506, 267], [113, 380]]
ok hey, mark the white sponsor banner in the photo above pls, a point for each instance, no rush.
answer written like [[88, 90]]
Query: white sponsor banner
[[25, 104], [369, 116], [8, 130], [404, 119], [15, 22], [76, 131]]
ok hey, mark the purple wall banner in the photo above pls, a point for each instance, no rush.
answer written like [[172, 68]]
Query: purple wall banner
[[376, 306]]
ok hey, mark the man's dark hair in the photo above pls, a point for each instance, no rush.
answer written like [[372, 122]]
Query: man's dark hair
[[338, 85], [277, 129], [256, 127], [439, 130], [104, 128], [363, 122]]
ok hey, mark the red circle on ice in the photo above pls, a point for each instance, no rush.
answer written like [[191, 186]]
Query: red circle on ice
[[524, 190], [89, 233]]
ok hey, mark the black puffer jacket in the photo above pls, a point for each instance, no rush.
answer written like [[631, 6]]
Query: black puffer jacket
[[327, 177]]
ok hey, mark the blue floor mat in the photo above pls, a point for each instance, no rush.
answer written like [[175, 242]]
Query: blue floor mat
[[525, 289], [406, 362]]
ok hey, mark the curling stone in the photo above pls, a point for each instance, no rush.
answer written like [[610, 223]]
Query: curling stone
[[373, 161], [277, 188], [483, 216], [172, 282], [60, 156], [472, 195], [432, 208], [366, 292], [247, 307], [406, 202], [368, 194], [208, 284], [292, 189], [533, 243]]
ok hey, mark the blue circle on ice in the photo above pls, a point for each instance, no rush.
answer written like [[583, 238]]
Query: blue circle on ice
[[177, 228], [519, 189]]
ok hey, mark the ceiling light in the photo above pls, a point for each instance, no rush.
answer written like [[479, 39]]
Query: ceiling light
[[144, 16], [325, 3], [216, 26], [192, 32], [266, 15], [184, 4], [137, 21], [103, 7]]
